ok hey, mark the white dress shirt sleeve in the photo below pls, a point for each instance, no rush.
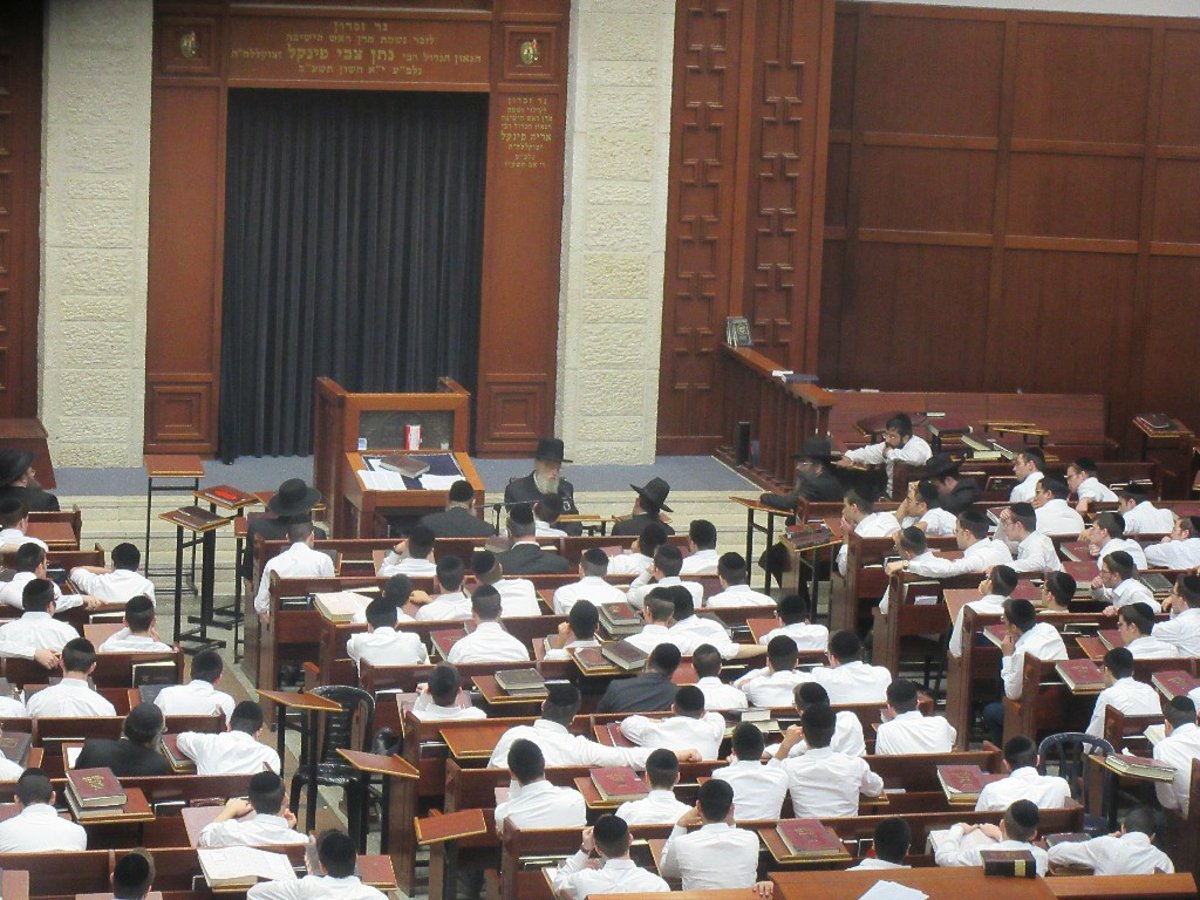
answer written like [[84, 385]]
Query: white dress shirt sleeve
[[1012, 673], [668, 866], [869, 784]]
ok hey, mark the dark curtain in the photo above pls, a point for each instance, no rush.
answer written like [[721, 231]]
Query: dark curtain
[[353, 246]]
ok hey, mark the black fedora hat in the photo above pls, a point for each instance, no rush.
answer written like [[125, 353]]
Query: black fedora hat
[[655, 492], [817, 448], [550, 450], [13, 464], [294, 498], [940, 465]]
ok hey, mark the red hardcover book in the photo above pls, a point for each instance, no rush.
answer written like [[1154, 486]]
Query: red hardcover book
[[15, 745], [1083, 572], [962, 783], [1080, 674], [1110, 637], [446, 639], [618, 783], [95, 787], [808, 838], [1077, 550], [1174, 683], [623, 655], [995, 633], [590, 659], [616, 738]]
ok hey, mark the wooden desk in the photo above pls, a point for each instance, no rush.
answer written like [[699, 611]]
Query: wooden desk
[[475, 741], [14, 885], [1119, 887], [196, 818], [360, 504], [56, 535], [939, 884]]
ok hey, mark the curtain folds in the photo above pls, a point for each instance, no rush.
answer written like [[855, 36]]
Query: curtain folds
[[353, 249]]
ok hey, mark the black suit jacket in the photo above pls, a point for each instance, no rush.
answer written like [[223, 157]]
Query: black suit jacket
[[824, 488], [529, 559], [457, 522], [966, 492], [271, 529], [124, 757], [634, 525], [35, 499], [648, 692]]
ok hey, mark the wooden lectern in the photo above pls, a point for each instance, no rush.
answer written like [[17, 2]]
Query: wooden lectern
[[352, 430]]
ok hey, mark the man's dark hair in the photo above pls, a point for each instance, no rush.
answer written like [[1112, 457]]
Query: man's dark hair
[[859, 500], [37, 595], [78, 656], [669, 560], [594, 562], [561, 703], [689, 701], [381, 614], [913, 539], [685, 603], [661, 604], [1004, 580], [1021, 820], [1112, 522], [126, 556], [703, 534], [266, 793], [1020, 752], [397, 590], [1140, 819], [207, 665], [793, 609], [520, 521], [748, 742], [665, 658], [1061, 586], [731, 567], [144, 724], [299, 531], [461, 492], [900, 423], [845, 645], [420, 541], [337, 853], [974, 522], [485, 566], [247, 716], [1086, 465], [902, 695], [1139, 615], [485, 603], [819, 724], [139, 613], [809, 693], [782, 653], [1180, 711], [12, 511], [1035, 456], [34, 787], [28, 556], [1121, 564], [525, 761], [611, 835], [715, 798], [1025, 514], [444, 684], [662, 769], [927, 493], [133, 875], [706, 660], [1020, 614], [652, 537], [1188, 589], [1056, 486], [584, 619], [1190, 525], [450, 572], [1119, 661], [893, 837]]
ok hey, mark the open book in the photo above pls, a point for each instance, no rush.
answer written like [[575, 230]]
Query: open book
[[232, 866]]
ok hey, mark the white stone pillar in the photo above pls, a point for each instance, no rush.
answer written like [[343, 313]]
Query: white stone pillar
[[95, 220], [614, 228]]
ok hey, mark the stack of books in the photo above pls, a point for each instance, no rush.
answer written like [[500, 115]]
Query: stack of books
[[170, 749], [94, 793], [619, 619], [524, 682], [340, 606], [809, 534]]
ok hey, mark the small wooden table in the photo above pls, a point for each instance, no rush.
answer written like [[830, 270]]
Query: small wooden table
[[390, 767], [203, 529], [168, 467]]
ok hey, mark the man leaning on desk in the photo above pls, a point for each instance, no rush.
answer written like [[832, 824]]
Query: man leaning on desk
[[815, 479], [546, 480]]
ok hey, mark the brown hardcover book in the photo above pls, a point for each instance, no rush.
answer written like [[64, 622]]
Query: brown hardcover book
[[809, 534], [450, 827], [1159, 584], [624, 655], [1092, 647], [197, 516], [445, 639], [1067, 837], [619, 619], [809, 838], [1009, 863], [611, 734], [521, 681], [1158, 421], [1077, 550], [1080, 674], [95, 787], [1140, 767], [1110, 637], [590, 660], [15, 745], [618, 783], [995, 633], [405, 465], [1174, 683], [170, 749]]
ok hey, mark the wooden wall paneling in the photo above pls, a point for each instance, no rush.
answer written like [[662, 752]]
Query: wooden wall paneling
[[1180, 87], [700, 215], [1166, 368]]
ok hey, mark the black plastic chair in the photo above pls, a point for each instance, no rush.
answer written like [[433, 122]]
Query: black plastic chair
[[332, 770], [1066, 751]]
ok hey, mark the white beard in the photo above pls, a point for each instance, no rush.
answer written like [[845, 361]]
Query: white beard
[[547, 484]]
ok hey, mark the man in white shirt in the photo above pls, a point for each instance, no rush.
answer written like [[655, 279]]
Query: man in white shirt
[[260, 819], [1023, 781], [117, 583], [412, 556], [199, 697], [73, 696], [912, 545], [1178, 550], [1135, 623], [235, 751], [1057, 592], [438, 700], [518, 596], [593, 566], [1183, 628], [1134, 698], [299, 560], [578, 632], [489, 642], [451, 602], [38, 828], [333, 880], [1180, 749], [735, 591], [1055, 516], [29, 564], [658, 613], [533, 802], [1081, 478], [14, 522], [717, 855], [859, 516], [668, 561], [995, 588], [773, 685], [1028, 465], [1107, 535], [1025, 634], [691, 726], [1035, 550], [823, 783], [546, 513], [139, 634], [758, 790], [398, 591], [640, 555], [847, 679], [382, 644], [702, 550], [793, 611], [689, 631], [37, 634], [718, 695], [1140, 515], [899, 444], [1017, 831], [577, 878], [980, 552], [847, 730], [905, 730], [1118, 584], [893, 838], [1130, 851], [921, 508], [660, 806]]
